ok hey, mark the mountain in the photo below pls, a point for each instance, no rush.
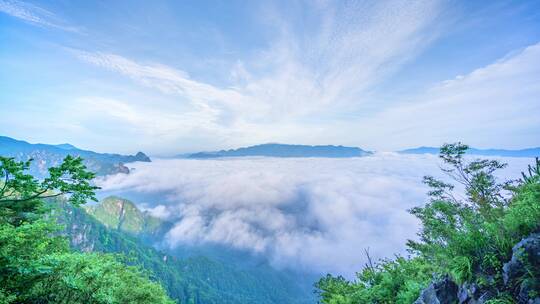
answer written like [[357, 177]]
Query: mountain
[[283, 150], [122, 215], [46, 156], [531, 152], [196, 279], [66, 146]]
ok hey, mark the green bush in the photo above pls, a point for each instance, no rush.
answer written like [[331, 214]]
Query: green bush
[[389, 281], [469, 239]]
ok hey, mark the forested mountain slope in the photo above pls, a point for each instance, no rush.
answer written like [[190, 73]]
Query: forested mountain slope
[[121, 214], [196, 279]]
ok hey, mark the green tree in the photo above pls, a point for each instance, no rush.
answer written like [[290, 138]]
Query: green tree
[[36, 265], [467, 234], [21, 195], [388, 281], [466, 237]]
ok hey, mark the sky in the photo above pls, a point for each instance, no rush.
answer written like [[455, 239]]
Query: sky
[[169, 77], [308, 214]]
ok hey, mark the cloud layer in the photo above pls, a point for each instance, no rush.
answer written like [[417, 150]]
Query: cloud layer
[[311, 214]]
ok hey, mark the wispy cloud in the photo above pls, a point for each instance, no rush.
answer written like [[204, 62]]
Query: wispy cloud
[[299, 76], [497, 101], [318, 84], [34, 14], [142, 119], [163, 78]]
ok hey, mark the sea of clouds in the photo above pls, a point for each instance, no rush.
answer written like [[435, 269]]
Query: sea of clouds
[[314, 214]]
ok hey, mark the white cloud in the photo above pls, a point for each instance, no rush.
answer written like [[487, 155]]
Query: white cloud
[[145, 117], [313, 214], [162, 77], [33, 14]]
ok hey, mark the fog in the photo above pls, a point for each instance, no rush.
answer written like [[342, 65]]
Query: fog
[[311, 214]]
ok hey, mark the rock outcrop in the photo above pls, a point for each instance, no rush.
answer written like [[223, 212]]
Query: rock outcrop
[[444, 291], [521, 276], [471, 293]]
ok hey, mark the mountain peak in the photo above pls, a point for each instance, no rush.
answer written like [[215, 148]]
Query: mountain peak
[[66, 146], [140, 156], [122, 214]]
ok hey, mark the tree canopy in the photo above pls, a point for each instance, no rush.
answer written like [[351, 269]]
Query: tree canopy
[[36, 264]]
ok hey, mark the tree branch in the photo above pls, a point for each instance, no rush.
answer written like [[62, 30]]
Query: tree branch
[[5, 183], [34, 196]]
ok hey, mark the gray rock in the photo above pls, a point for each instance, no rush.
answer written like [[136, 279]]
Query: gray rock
[[526, 288], [521, 274], [473, 294], [444, 291], [485, 296], [466, 292]]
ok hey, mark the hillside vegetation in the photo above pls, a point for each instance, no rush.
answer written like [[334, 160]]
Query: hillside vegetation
[[36, 263], [481, 246]]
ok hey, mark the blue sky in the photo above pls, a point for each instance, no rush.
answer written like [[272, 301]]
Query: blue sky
[[174, 76]]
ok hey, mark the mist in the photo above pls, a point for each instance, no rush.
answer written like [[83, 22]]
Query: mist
[[309, 214]]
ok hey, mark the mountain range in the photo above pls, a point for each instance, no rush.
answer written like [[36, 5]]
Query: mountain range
[[45, 156], [284, 150], [530, 152]]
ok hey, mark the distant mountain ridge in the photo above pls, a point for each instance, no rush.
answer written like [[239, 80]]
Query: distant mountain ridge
[[284, 150], [530, 152], [45, 156]]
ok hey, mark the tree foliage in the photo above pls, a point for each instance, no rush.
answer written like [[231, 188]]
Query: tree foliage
[[21, 195], [467, 234], [36, 264]]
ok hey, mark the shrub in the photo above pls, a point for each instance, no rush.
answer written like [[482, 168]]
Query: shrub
[[469, 239]]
